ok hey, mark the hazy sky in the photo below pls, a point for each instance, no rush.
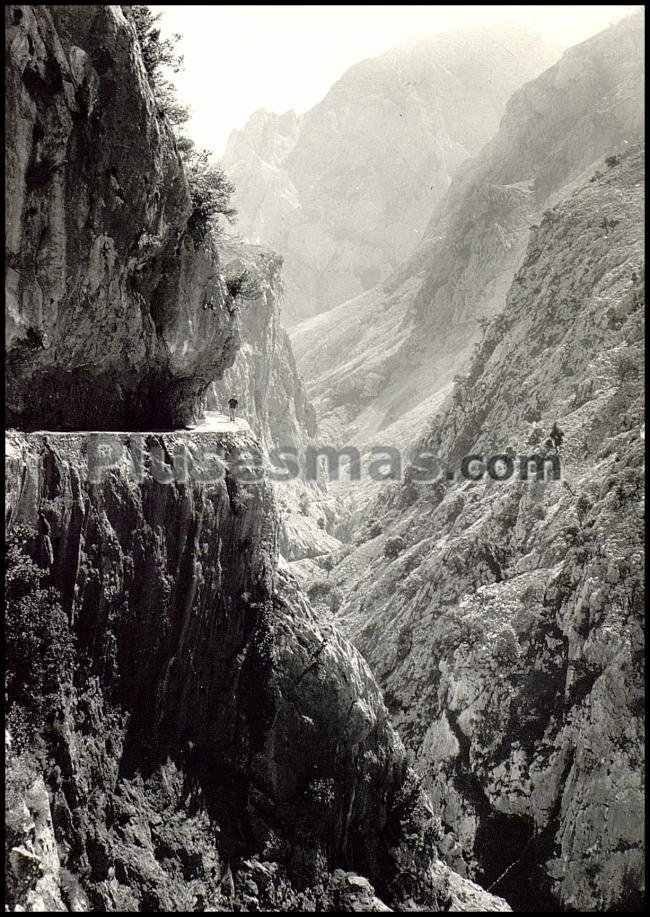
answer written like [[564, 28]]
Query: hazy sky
[[241, 58]]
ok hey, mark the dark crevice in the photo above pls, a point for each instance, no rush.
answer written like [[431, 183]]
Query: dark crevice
[[509, 850]]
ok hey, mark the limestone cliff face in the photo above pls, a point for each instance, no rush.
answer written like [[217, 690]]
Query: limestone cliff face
[[272, 397], [345, 192], [105, 326], [393, 349], [218, 743], [264, 377], [504, 618], [33, 875]]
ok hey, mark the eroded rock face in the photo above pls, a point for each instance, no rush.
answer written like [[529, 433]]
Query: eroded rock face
[[272, 398], [213, 716], [104, 322], [33, 872], [506, 624], [263, 376], [345, 192]]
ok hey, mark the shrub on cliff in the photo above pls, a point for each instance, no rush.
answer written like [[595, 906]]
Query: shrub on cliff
[[394, 546], [319, 590], [626, 368], [500, 326], [556, 435], [157, 53], [210, 189], [245, 285], [210, 192], [39, 642], [326, 562]]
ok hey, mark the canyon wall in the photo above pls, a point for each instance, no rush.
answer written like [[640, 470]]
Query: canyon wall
[[502, 615], [272, 398], [105, 287], [215, 742], [264, 377]]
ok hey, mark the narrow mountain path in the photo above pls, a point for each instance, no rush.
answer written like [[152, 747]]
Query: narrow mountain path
[[214, 422]]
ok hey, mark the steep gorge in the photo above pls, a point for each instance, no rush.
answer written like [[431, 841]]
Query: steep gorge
[[200, 739], [211, 717], [219, 744], [504, 618]]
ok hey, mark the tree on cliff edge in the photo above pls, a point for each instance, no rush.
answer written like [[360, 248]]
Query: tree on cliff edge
[[157, 53], [210, 189]]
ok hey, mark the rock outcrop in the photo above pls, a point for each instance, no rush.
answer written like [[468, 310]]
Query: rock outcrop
[[263, 376], [503, 616], [105, 326], [33, 875], [217, 743], [389, 352], [345, 192], [272, 398]]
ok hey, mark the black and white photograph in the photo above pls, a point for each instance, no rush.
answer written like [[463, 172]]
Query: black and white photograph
[[324, 458]]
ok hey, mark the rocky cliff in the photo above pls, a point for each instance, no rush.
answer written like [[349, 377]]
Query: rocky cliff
[[105, 323], [390, 351], [345, 192], [503, 618], [272, 398], [209, 741], [263, 376]]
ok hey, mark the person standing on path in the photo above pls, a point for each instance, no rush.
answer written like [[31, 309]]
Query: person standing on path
[[232, 407]]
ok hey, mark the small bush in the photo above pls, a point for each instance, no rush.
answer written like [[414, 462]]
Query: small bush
[[626, 368], [500, 325], [244, 285], [531, 413], [39, 642], [394, 546], [583, 505], [611, 161], [319, 589], [321, 793], [336, 600]]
